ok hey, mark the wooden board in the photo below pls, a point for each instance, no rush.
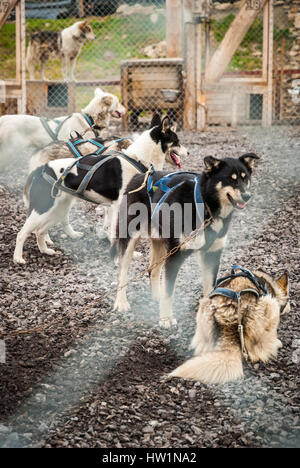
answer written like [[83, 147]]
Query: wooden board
[[142, 82]]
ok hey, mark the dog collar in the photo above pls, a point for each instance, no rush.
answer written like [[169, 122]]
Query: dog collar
[[91, 123]]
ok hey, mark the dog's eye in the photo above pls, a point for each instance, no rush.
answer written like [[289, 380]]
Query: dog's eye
[[243, 175], [234, 176]]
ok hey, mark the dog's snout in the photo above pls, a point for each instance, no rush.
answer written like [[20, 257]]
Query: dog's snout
[[246, 196]]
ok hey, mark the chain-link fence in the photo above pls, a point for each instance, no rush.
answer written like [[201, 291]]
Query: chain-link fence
[[251, 61], [116, 32], [286, 84], [122, 48]]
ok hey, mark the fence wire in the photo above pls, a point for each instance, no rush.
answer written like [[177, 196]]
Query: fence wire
[[127, 56], [248, 59]]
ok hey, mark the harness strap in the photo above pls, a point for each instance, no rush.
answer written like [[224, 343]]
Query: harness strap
[[77, 153], [59, 183], [90, 172], [162, 185], [91, 123], [237, 296], [236, 272], [250, 275], [245, 273], [51, 133]]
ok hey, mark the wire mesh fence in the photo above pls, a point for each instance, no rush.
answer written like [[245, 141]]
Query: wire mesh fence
[[120, 45], [248, 60], [107, 33]]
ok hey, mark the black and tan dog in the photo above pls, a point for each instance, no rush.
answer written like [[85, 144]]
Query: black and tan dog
[[224, 187], [217, 342]]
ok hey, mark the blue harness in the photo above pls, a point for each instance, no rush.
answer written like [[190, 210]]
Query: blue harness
[[162, 185], [74, 143], [261, 290], [236, 296]]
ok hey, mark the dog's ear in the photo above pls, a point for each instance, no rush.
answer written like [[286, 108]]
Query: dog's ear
[[98, 92], [75, 135], [83, 24], [107, 101], [283, 282], [211, 163], [174, 128], [166, 124], [249, 159], [156, 120]]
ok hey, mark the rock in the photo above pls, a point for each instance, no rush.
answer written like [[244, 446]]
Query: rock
[[158, 50], [297, 21], [4, 429]]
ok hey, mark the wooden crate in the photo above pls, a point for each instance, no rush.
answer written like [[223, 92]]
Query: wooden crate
[[40, 102], [229, 102], [143, 84]]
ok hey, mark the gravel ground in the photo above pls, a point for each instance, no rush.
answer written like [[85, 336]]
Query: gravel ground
[[78, 374]]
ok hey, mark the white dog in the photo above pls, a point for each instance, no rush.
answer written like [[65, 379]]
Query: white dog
[[20, 132], [66, 44]]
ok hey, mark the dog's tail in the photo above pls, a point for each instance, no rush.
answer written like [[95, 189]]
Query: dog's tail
[[212, 368], [26, 191], [114, 250]]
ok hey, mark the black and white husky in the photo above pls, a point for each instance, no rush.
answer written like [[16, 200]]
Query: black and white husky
[[66, 44], [105, 187], [224, 187], [20, 132]]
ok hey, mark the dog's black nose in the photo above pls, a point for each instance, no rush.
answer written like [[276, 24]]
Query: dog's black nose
[[246, 196]]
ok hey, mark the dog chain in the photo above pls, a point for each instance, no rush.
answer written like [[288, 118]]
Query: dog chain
[[112, 291]]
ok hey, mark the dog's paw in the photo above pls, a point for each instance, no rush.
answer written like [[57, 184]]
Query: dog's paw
[[137, 255], [50, 252], [48, 240], [19, 260], [122, 306], [168, 322]]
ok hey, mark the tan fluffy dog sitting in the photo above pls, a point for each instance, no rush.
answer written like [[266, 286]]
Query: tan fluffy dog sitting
[[218, 345]]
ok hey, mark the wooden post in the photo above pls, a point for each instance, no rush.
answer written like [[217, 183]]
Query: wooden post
[[200, 103], [5, 10], [18, 43], [174, 28], [275, 82], [81, 8], [265, 43], [268, 95], [190, 60], [281, 93], [234, 115], [21, 54], [231, 41], [124, 96]]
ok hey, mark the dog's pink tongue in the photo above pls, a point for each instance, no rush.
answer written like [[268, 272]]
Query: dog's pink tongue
[[176, 159], [241, 205]]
